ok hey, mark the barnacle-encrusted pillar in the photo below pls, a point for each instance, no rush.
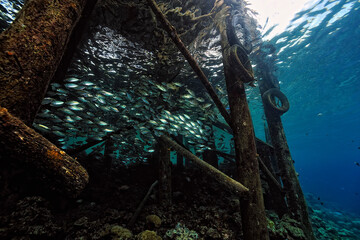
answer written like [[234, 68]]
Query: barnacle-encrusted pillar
[[75, 38], [31, 50], [274, 196], [294, 196], [238, 70]]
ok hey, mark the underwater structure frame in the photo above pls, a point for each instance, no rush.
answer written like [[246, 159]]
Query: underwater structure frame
[[36, 51]]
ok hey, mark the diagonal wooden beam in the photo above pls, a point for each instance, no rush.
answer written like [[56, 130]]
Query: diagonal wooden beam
[[19, 141], [194, 65], [222, 178]]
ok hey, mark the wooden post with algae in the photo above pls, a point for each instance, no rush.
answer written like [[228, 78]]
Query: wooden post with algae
[[297, 206], [18, 141], [31, 50], [238, 70]]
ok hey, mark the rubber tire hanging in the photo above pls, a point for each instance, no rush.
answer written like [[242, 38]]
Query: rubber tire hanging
[[269, 98]]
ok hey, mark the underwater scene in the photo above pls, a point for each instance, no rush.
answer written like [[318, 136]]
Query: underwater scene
[[180, 119]]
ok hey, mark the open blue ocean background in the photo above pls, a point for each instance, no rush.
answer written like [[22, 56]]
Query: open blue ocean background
[[319, 71]]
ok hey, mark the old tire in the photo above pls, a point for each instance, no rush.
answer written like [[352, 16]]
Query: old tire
[[240, 64], [276, 100]]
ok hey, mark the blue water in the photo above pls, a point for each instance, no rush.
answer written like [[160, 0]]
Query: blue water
[[319, 71]]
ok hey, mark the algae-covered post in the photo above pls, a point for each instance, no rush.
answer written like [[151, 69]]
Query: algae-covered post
[[37, 38], [74, 40], [294, 195], [238, 70], [30, 52], [253, 212]]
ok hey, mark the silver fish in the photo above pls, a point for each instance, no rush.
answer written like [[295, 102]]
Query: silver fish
[[187, 96], [102, 123], [163, 121], [76, 108], [87, 83], [160, 128], [71, 85], [68, 119], [77, 118], [108, 94], [73, 103], [161, 87], [57, 103], [72, 80]]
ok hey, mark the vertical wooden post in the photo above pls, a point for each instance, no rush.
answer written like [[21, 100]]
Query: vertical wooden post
[[294, 195], [253, 211], [31, 50], [254, 222], [164, 173]]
